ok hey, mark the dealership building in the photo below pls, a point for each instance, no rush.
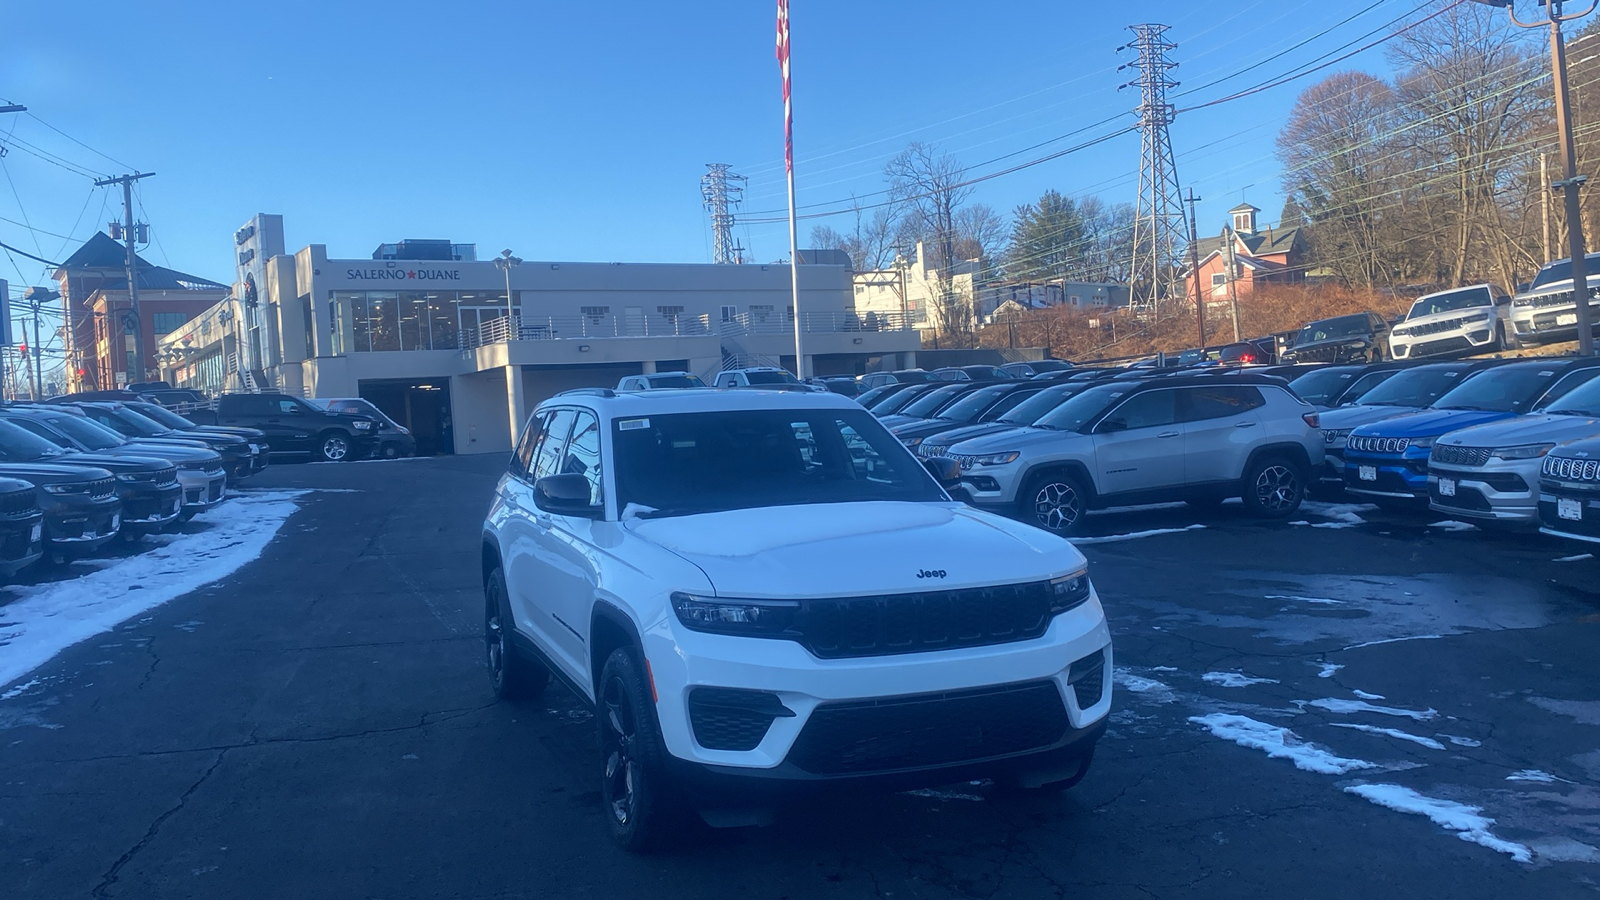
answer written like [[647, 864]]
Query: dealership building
[[460, 350]]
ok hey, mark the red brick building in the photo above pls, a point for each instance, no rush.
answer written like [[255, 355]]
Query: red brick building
[[1261, 255]]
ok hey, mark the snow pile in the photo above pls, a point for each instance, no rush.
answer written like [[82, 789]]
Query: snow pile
[[1235, 679], [1110, 538], [1152, 690], [1430, 743], [1535, 776], [1278, 743], [1342, 514], [48, 618], [1366, 696], [1578, 558], [1452, 525], [1356, 706], [1466, 821], [1326, 670], [1322, 600]]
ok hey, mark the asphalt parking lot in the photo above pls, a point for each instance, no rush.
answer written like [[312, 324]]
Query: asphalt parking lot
[[319, 725]]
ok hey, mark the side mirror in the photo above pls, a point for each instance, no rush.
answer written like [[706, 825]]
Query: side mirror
[[297, 410], [565, 494], [1110, 425], [944, 470]]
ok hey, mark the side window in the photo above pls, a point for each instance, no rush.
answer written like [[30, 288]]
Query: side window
[[867, 462], [583, 456], [1219, 402], [288, 407], [522, 457], [253, 405], [1147, 410], [547, 458], [1566, 383], [41, 431], [722, 379]]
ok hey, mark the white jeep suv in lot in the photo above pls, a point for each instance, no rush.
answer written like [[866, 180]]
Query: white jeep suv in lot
[[1453, 323], [1548, 310], [1200, 438], [764, 592]]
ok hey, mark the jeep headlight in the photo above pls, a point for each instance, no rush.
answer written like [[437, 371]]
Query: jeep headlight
[[721, 615], [1335, 435], [911, 443], [1527, 451], [1422, 443], [1069, 591], [995, 459], [66, 488], [134, 477]]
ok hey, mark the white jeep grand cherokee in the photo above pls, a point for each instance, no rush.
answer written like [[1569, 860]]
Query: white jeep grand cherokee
[[763, 592]]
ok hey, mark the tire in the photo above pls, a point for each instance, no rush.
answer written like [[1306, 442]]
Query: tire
[[391, 451], [1274, 487], [512, 676], [641, 806], [334, 446], [1055, 501], [1501, 344]]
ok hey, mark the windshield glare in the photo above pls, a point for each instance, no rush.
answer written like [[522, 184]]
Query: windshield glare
[[19, 445], [713, 461], [1344, 326], [85, 432], [1466, 298], [1414, 387], [1505, 389], [1561, 270], [929, 403], [1029, 410], [1075, 413], [970, 406], [1319, 388], [1583, 400]]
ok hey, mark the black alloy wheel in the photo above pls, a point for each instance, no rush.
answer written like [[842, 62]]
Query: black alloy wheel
[[511, 676], [1274, 487]]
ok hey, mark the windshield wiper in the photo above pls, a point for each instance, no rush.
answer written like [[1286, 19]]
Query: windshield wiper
[[678, 511]]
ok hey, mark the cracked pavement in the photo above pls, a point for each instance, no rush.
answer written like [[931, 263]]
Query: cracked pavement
[[319, 725]]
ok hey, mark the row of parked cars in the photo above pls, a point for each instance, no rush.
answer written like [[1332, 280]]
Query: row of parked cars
[[75, 476]]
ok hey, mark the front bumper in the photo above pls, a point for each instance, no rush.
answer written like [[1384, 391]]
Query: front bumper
[[1547, 324], [1389, 476], [201, 490], [75, 524], [1471, 339], [21, 542], [1555, 498], [919, 696], [147, 509], [1501, 491]]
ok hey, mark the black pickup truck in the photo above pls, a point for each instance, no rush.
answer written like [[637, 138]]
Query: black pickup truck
[[294, 426]]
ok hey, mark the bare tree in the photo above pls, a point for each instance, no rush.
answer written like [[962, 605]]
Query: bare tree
[[927, 193], [870, 243]]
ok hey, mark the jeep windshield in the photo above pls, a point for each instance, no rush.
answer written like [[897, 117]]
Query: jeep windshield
[[1030, 410], [1320, 387], [756, 378], [19, 445], [1075, 413], [1332, 329], [1414, 387], [1466, 298], [1583, 400], [1561, 270], [85, 432], [688, 463], [969, 407], [1504, 389]]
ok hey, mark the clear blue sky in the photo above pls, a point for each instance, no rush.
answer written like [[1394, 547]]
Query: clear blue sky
[[579, 131]]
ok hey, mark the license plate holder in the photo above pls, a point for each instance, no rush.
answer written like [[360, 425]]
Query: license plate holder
[[1367, 473], [1447, 487], [1567, 319], [34, 534], [1569, 509]]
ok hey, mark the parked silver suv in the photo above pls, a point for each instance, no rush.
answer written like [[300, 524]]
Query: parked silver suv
[[1546, 311], [1194, 438], [1453, 323]]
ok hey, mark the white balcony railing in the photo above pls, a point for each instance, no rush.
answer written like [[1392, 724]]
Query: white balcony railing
[[555, 328], [814, 323]]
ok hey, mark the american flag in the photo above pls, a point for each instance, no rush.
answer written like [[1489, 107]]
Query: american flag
[[783, 63]]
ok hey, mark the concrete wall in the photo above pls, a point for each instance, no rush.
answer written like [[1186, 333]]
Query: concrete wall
[[479, 412]]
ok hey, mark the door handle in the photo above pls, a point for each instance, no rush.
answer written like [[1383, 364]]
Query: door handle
[[1244, 424], [1167, 434]]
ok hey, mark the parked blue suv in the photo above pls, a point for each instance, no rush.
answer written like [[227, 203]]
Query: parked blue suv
[[1388, 460]]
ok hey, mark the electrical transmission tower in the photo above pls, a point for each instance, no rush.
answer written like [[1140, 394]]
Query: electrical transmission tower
[[1159, 220], [722, 191]]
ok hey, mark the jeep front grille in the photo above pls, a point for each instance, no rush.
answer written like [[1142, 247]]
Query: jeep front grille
[[1366, 444], [883, 625], [18, 504], [104, 489], [1471, 457], [1571, 469]]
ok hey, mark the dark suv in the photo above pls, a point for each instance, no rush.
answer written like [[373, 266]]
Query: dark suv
[[236, 452], [21, 526], [147, 486], [1357, 338], [294, 426], [241, 468]]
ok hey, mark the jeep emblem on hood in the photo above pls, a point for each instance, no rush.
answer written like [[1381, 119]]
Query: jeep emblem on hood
[[930, 573]]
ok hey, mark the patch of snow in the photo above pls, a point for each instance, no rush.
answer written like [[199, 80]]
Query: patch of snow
[[1326, 670], [1415, 637], [1278, 743], [1430, 743], [1163, 669], [1466, 821], [20, 689], [48, 618], [1536, 776], [1341, 513], [1111, 538], [944, 795], [1580, 556], [1235, 679], [1149, 687], [1366, 696], [1323, 600], [1453, 525], [1461, 741], [1335, 525], [1301, 522], [1335, 705]]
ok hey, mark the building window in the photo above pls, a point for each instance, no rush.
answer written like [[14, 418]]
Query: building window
[[409, 320], [167, 322], [310, 325], [596, 313], [729, 313], [1219, 279], [760, 312]]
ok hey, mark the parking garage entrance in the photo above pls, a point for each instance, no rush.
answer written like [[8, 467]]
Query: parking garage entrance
[[420, 405]]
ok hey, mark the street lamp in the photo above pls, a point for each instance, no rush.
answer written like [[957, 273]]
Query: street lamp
[[1570, 179], [37, 297], [505, 262]]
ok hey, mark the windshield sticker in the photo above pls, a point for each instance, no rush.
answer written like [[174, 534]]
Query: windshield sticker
[[683, 445], [632, 424], [1546, 374]]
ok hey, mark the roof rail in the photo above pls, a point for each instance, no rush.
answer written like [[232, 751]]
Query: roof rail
[[588, 392]]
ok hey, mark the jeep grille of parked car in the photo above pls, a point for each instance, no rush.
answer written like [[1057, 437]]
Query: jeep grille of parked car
[[18, 504], [1461, 456], [1557, 298], [1437, 327], [1363, 444], [1571, 469], [933, 620], [104, 489]]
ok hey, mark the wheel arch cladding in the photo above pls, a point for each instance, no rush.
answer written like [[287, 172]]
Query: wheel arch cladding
[[1293, 451], [1070, 466], [609, 629], [491, 559]]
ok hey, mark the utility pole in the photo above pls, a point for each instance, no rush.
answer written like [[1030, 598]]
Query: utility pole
[[128, 234], [36, 298], [1233, 291], [1570, 181], [722, 191], [1158, 217], [5, 327], [1194, 266], [1544, 202]]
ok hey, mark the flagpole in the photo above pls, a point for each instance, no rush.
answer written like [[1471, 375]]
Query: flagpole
[[788, 160]]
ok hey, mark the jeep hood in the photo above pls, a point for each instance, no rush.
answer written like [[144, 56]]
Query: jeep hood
[[1343, 417], [966, 433], [1020, 439], [1434, 421], [1466, 312], [854, 549], [1537, 429]]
